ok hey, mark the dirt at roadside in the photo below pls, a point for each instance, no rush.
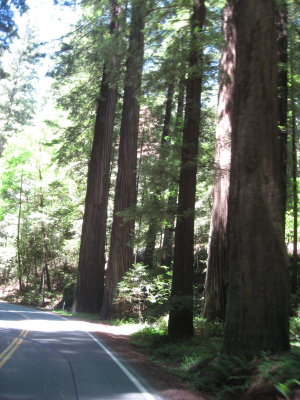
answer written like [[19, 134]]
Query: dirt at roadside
[[168, 386]]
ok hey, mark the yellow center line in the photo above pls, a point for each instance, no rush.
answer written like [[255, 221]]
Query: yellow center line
[[13, 346]]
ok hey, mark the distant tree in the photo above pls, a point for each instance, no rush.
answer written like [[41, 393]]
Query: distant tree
[[258, 310], [181, 313], [282, 42], [154, 223], [216, 275], [121, 251], [8, 27], [90, 280], [294, 263], [168, 234], [37, 213], [17, 90], [293, 95]]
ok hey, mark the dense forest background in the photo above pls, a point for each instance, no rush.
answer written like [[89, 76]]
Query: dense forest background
[[122, 160]]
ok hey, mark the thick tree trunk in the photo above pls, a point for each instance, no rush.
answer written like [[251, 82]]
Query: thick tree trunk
[[121, 255], [90, 278], [216, 276], [181, 313], [258, 309]]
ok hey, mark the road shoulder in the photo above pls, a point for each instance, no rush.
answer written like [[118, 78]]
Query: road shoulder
[[167, 385]]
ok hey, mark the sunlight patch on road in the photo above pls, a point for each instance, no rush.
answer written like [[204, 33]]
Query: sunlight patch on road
[[44, 325]]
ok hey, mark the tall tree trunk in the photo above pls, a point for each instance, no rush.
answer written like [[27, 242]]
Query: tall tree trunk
[[294, 280], [151, 239], [258, 309], [217, 269], [181, 313], [282, 42], [154, 224], [90, 278], [121, 255], [20, 269], [45, 268], [294, 264], [46, 256], [167, 245]]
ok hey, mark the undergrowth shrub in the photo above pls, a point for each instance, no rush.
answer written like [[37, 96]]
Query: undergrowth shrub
[[228, 377], [144, 292], [198, 360], [178, 354], [295, 329]]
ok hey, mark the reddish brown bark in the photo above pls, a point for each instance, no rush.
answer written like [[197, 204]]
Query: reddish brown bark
[[257, 310], [90, 278], [121, 255], [181, 313], [216, 276]]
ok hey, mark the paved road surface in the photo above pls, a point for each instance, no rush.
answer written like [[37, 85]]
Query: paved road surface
[[42, 357]]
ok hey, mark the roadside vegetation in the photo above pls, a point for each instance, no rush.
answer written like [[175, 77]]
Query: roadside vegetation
[[157, 181], [197, 360]]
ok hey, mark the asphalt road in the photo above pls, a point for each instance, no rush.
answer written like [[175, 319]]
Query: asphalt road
[[45, 357]]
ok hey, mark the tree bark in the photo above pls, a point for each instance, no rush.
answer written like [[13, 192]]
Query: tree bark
[[121, 255], [181, 313], [90, 278], [258, 309], [217, 269]]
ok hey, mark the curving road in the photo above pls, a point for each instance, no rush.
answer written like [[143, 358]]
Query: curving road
[[45, 357]]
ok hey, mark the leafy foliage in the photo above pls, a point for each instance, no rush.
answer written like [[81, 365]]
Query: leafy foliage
[[179, 355], [8, 28], [145, 292], [47, 163]]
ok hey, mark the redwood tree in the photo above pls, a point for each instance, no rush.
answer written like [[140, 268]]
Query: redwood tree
[[90, 278], [153, 223], [294, 168], [216, 276], [167, 245], [121, 251], [258, 309], [181, 313]]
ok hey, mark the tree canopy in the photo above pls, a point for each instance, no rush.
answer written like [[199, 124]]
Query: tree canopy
[[149, 165]]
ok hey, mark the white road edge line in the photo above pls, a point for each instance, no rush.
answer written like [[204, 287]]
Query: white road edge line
[[133, 379]]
